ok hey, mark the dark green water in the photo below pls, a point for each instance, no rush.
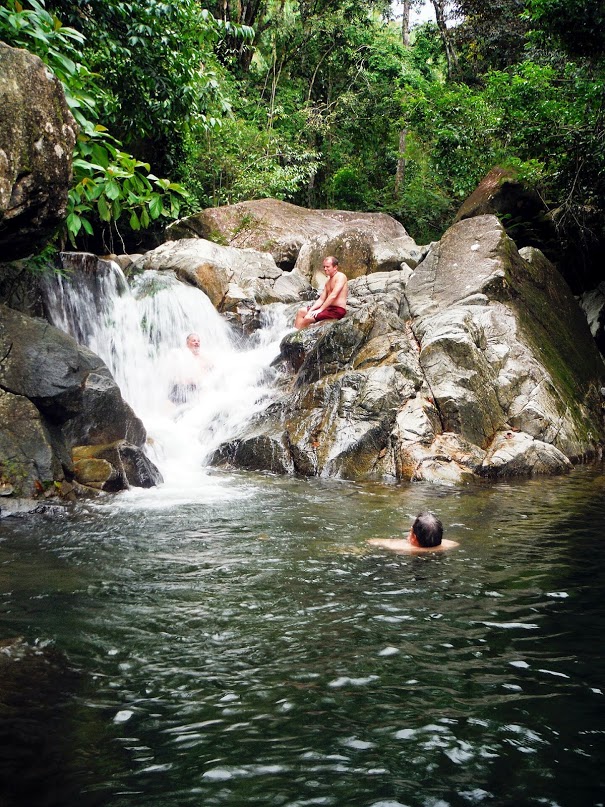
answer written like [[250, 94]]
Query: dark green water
[[245, 646]]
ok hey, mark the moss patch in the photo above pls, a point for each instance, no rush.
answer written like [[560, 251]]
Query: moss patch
[[556, 329]]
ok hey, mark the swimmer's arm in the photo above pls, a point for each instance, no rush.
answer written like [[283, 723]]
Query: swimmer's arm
[[396, 544]]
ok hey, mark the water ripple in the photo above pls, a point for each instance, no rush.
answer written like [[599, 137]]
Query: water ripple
[[230, 651]]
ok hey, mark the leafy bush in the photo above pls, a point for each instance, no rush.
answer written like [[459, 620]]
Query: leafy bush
[[110, 186]]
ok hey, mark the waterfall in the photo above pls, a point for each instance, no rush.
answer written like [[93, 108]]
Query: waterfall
[[140, 331]]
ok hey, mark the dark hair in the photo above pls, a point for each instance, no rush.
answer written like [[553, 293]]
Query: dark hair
[[332, 259], [428, 529]]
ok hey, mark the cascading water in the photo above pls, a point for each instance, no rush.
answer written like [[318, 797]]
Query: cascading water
[[140, 333]]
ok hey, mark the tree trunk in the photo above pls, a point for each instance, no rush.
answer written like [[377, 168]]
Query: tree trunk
[[450, 53], [400, 175], [405, 23]]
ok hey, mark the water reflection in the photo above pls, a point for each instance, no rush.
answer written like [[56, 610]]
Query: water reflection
[[247, 646]]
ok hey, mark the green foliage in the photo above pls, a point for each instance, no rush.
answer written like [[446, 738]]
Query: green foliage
[[13, 475], [58, 46], [240, 161], [427, 54], [490, 35], [424, 204], [308, 100], [456, 129], [112, 185], [46, 263], [349, 188], [158, 69], [109, 184], [552, 117], [578, 26]]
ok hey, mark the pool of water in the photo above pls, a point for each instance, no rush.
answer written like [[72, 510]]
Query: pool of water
[[242, 644]]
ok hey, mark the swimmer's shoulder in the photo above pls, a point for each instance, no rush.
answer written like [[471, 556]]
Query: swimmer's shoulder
[[403, 546]]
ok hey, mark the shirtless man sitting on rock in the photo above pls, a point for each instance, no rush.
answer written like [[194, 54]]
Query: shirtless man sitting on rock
[[426, 535], [332, 301]]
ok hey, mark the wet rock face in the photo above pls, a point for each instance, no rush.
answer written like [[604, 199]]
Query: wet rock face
[[504, 342], [477, 363], [337, 418], [37, 137], [114, 467], [20, 289], [56, 394], [299, 239]]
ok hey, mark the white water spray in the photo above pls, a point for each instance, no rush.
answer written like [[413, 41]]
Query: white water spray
[[140, 333]]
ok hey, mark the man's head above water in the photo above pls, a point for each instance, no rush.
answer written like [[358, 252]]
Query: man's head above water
[[427, 530], [425, 535]]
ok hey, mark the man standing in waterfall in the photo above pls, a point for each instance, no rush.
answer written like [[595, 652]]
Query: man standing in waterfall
[[332, 301], [191, 366]]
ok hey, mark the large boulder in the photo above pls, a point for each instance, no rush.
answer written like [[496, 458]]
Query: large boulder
[[299, 238], [68, 383], [384, 288], [504, 343], [56, 394], [37, 137], [266, 225], [114, 467], [361, 251], [229, 277], [478, 363], [336, 419], [520, 209]]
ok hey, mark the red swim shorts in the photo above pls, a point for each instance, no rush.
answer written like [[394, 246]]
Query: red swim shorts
[[331, 312]]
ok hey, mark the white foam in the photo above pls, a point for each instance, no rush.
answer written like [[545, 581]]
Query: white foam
[[140, 334]]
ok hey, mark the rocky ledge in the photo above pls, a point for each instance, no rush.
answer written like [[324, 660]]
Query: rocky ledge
[[477, 363]]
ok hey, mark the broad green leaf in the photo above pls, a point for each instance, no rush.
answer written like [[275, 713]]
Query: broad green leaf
[[74, 223], [85, 165], [102, 207], [155, 207], [87, 226], [112, 190]]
